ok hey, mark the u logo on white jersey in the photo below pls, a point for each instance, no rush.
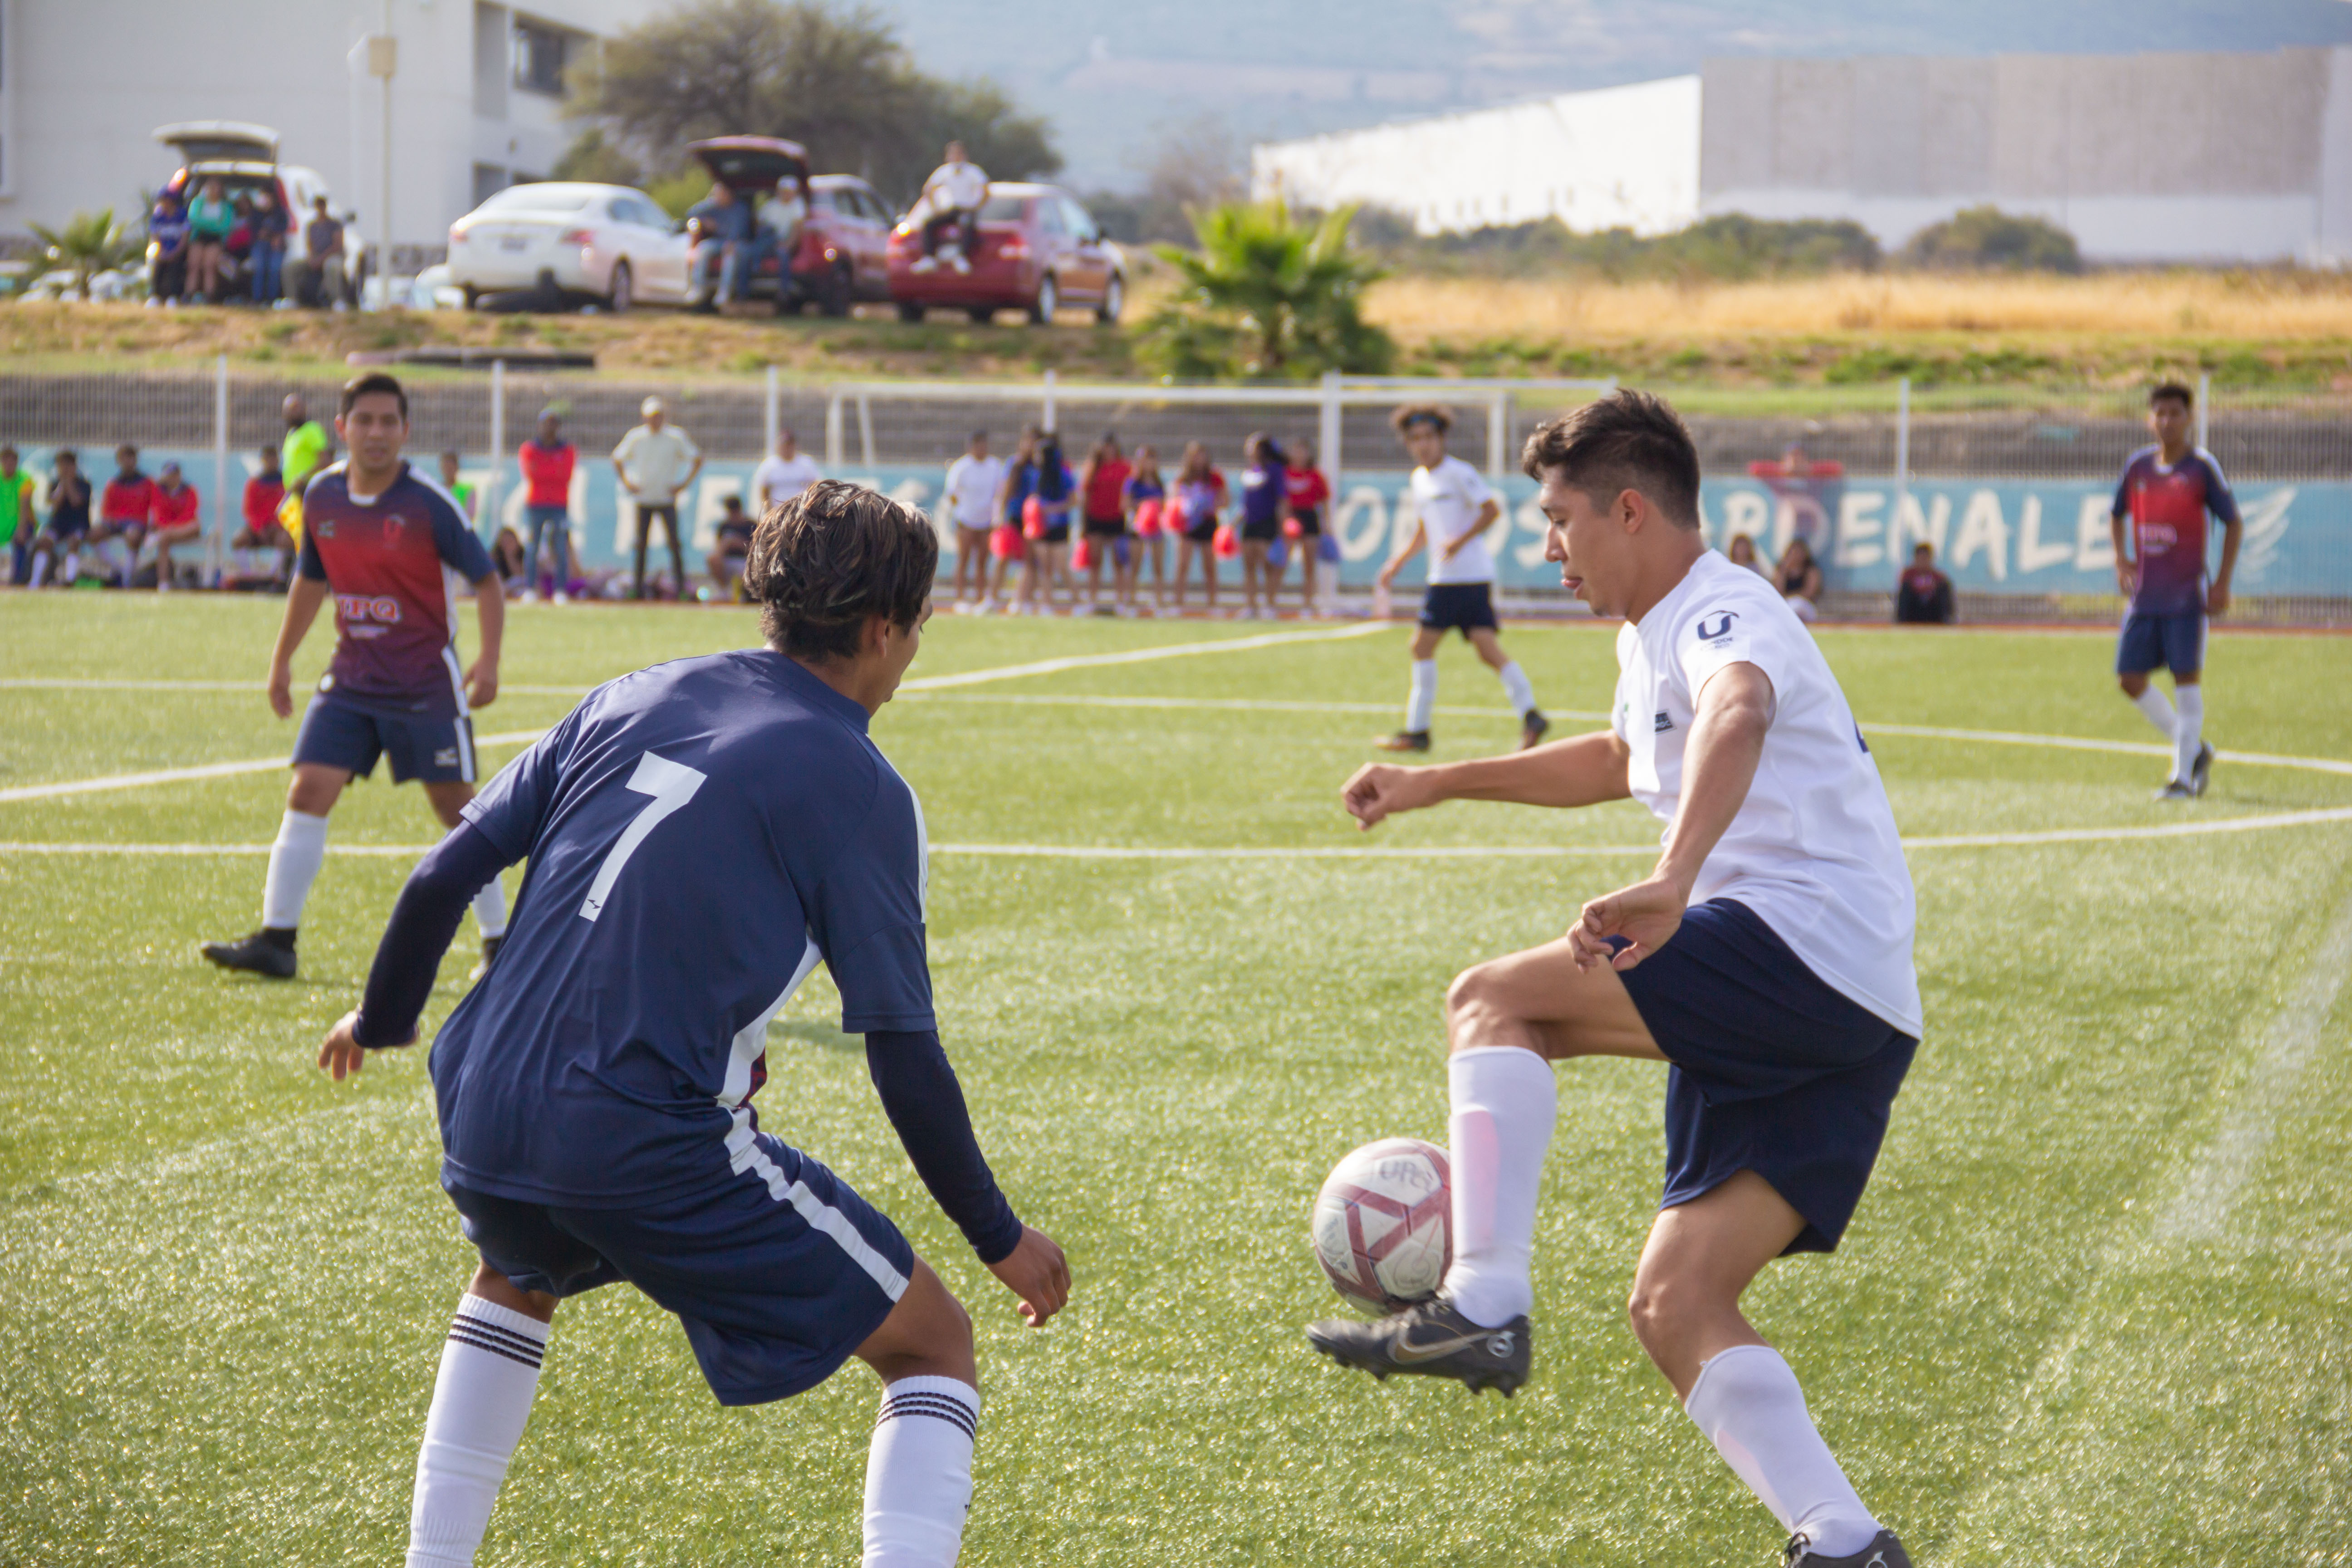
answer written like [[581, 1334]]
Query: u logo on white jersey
[[1721, 627]]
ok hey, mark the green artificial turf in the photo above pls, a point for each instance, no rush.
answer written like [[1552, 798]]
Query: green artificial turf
[[225, 1280]]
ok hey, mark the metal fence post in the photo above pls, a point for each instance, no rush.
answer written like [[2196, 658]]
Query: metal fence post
[[489, 518], [1048, 420], [1499, 434], [833, 428], [216, 540], [774, 413], [866, 428], [1328, 436], [2204, 409], [1902, 450]]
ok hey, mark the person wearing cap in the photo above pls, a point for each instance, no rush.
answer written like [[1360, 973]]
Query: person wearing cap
[[655, 463], [171, 519]]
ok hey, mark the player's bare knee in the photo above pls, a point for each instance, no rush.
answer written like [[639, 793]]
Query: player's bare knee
[[2133, 685], [1663, 1312]]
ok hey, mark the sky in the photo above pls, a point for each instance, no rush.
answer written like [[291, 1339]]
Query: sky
[[1113, 78]]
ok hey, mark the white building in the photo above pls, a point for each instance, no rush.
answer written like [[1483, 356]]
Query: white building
[[2152, 157], [474, 98], [1621, 157]]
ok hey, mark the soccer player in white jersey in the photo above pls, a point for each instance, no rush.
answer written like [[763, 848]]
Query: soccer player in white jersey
[[1452, 508], [1766, 961]]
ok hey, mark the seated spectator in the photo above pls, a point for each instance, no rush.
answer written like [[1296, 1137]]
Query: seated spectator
[[17, 517], [173, 520], [732, 548], [1799, 580], [210, 217], [1923, 595], [167, 226], [321, 283], [781, 214], [58, 544], [261, 529], [124, 507], [506, 555], [268, 253], [1743, 553], [722, 226], [236, 265], [952, 199]]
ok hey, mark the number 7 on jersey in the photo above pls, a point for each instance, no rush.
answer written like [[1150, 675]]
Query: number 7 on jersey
[[671, 785]]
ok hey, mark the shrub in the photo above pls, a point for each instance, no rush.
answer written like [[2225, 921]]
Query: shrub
[[1986, 238]]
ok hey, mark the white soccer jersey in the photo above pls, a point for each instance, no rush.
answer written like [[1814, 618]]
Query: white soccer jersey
[[1813, 849], [780, 479], [1448, 497], [970, 493]]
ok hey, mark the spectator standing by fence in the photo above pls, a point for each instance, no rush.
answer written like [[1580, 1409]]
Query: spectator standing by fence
[[1200, 500], [58, 544], [1104, 492], [1304, 493], [174, 520], [269, 254], [784, 473], [648, 461], [1145, 497], [1264, 497], [17, 518], [1923, 595], [1053, 487], [547, 461], [969, 498], [322, 267], [167, 226], [210, 217], [123, 508], [304, 451]]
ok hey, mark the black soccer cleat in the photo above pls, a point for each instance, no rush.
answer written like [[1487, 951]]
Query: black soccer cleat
[[1532, 728], [266, 952], [2177, 789], [2200, 772], [1884, 1551], [1403, 740], [1430, 1339]]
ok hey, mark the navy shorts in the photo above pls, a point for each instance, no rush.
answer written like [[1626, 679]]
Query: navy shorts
[[340, 734], [1458, 607], [2150, 640], [1772, 1071], [778, 1274]]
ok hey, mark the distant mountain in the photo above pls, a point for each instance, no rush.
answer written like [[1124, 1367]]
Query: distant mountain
[[1109, 76]]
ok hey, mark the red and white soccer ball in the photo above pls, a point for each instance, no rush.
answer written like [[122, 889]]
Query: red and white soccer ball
[[1383, 1224]]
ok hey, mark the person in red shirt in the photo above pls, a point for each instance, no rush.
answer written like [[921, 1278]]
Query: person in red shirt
[[1105, 486], [171, 520], [547, 461], [265, 492], [123, 508], [1306, 492]]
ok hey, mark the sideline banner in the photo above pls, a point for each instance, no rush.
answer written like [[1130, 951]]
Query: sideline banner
[[1993, 536]]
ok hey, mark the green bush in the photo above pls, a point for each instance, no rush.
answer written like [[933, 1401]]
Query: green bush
[[1728, 248], [1988, 240], [1266, 295]]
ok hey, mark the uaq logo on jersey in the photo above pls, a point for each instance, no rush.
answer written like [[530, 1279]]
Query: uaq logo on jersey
[[1720, 626]]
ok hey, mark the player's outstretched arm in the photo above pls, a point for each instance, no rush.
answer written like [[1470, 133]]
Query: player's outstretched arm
[[1726, 741], [303, 603], [1582, 769], [925, 1103], [407, 960]]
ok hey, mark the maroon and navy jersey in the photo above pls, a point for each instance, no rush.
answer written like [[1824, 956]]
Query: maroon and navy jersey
[[2167, 507], [387, 562]]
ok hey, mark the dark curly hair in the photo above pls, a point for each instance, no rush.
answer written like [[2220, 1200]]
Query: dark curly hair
[[834, 555], [1627, 440]]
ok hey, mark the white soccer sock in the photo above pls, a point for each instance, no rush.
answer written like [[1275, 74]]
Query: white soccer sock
[[489, 1370], [919, 1473], [491, 909], [2151, 702], [2188, 735], [72, 569], [1747, 1403], [1424, 701], [294, 862], [40, 571], [1505, 1100], [1517, 687]]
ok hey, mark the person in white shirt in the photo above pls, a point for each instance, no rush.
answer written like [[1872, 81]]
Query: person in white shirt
[[970, 500], [1452, 508], [952, 199], [656, 462], [1767, 960], [784, 473]]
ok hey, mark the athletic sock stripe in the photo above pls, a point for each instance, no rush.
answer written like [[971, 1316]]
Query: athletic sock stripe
[[515, 1337], [483, 1343], [954, 1412]]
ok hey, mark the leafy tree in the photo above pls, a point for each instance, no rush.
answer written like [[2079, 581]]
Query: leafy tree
[[1987, 239], [89, 244], [592, 157], [1268, 295], [833, 78]]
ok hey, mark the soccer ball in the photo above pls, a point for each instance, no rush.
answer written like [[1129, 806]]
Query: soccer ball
[[1383, 1226]]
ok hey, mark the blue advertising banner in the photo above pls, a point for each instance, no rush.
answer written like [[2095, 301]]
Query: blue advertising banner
[[2009, 536]]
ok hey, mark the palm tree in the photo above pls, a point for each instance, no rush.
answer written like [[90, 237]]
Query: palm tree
[[90, 244], [1277, 297]]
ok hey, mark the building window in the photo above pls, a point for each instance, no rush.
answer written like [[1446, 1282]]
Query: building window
[[541, 53]]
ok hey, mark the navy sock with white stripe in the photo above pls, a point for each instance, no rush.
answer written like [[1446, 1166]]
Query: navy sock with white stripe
[[489, 1370], [919, 1473]]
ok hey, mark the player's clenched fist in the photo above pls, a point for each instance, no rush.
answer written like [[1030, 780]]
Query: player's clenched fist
[[1035, 1272], [1380, 789]]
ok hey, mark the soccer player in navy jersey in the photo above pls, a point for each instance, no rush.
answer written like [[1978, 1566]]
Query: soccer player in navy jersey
[[700, 835], [383, 540], [2160, 505]]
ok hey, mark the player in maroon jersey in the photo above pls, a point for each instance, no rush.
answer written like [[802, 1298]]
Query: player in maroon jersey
[[2160, 505], [382, 539]]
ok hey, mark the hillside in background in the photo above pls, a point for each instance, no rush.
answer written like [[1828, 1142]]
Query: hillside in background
[[1111, 79]]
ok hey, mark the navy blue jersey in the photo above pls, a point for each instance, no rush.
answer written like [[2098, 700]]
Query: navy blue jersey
[[700, 834], [387, 560]]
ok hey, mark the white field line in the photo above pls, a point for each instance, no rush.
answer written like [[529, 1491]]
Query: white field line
[[524, 737], [1334, 852]]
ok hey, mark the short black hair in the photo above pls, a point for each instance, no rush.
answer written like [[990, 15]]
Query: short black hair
[[833, 555], [1627, 441], [360, 386], [2174, 390], [1413, 414]]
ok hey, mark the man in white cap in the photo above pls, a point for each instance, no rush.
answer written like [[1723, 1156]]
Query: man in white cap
[[655, 463]]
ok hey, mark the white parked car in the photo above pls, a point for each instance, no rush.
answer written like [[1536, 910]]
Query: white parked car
[[606, 244]]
